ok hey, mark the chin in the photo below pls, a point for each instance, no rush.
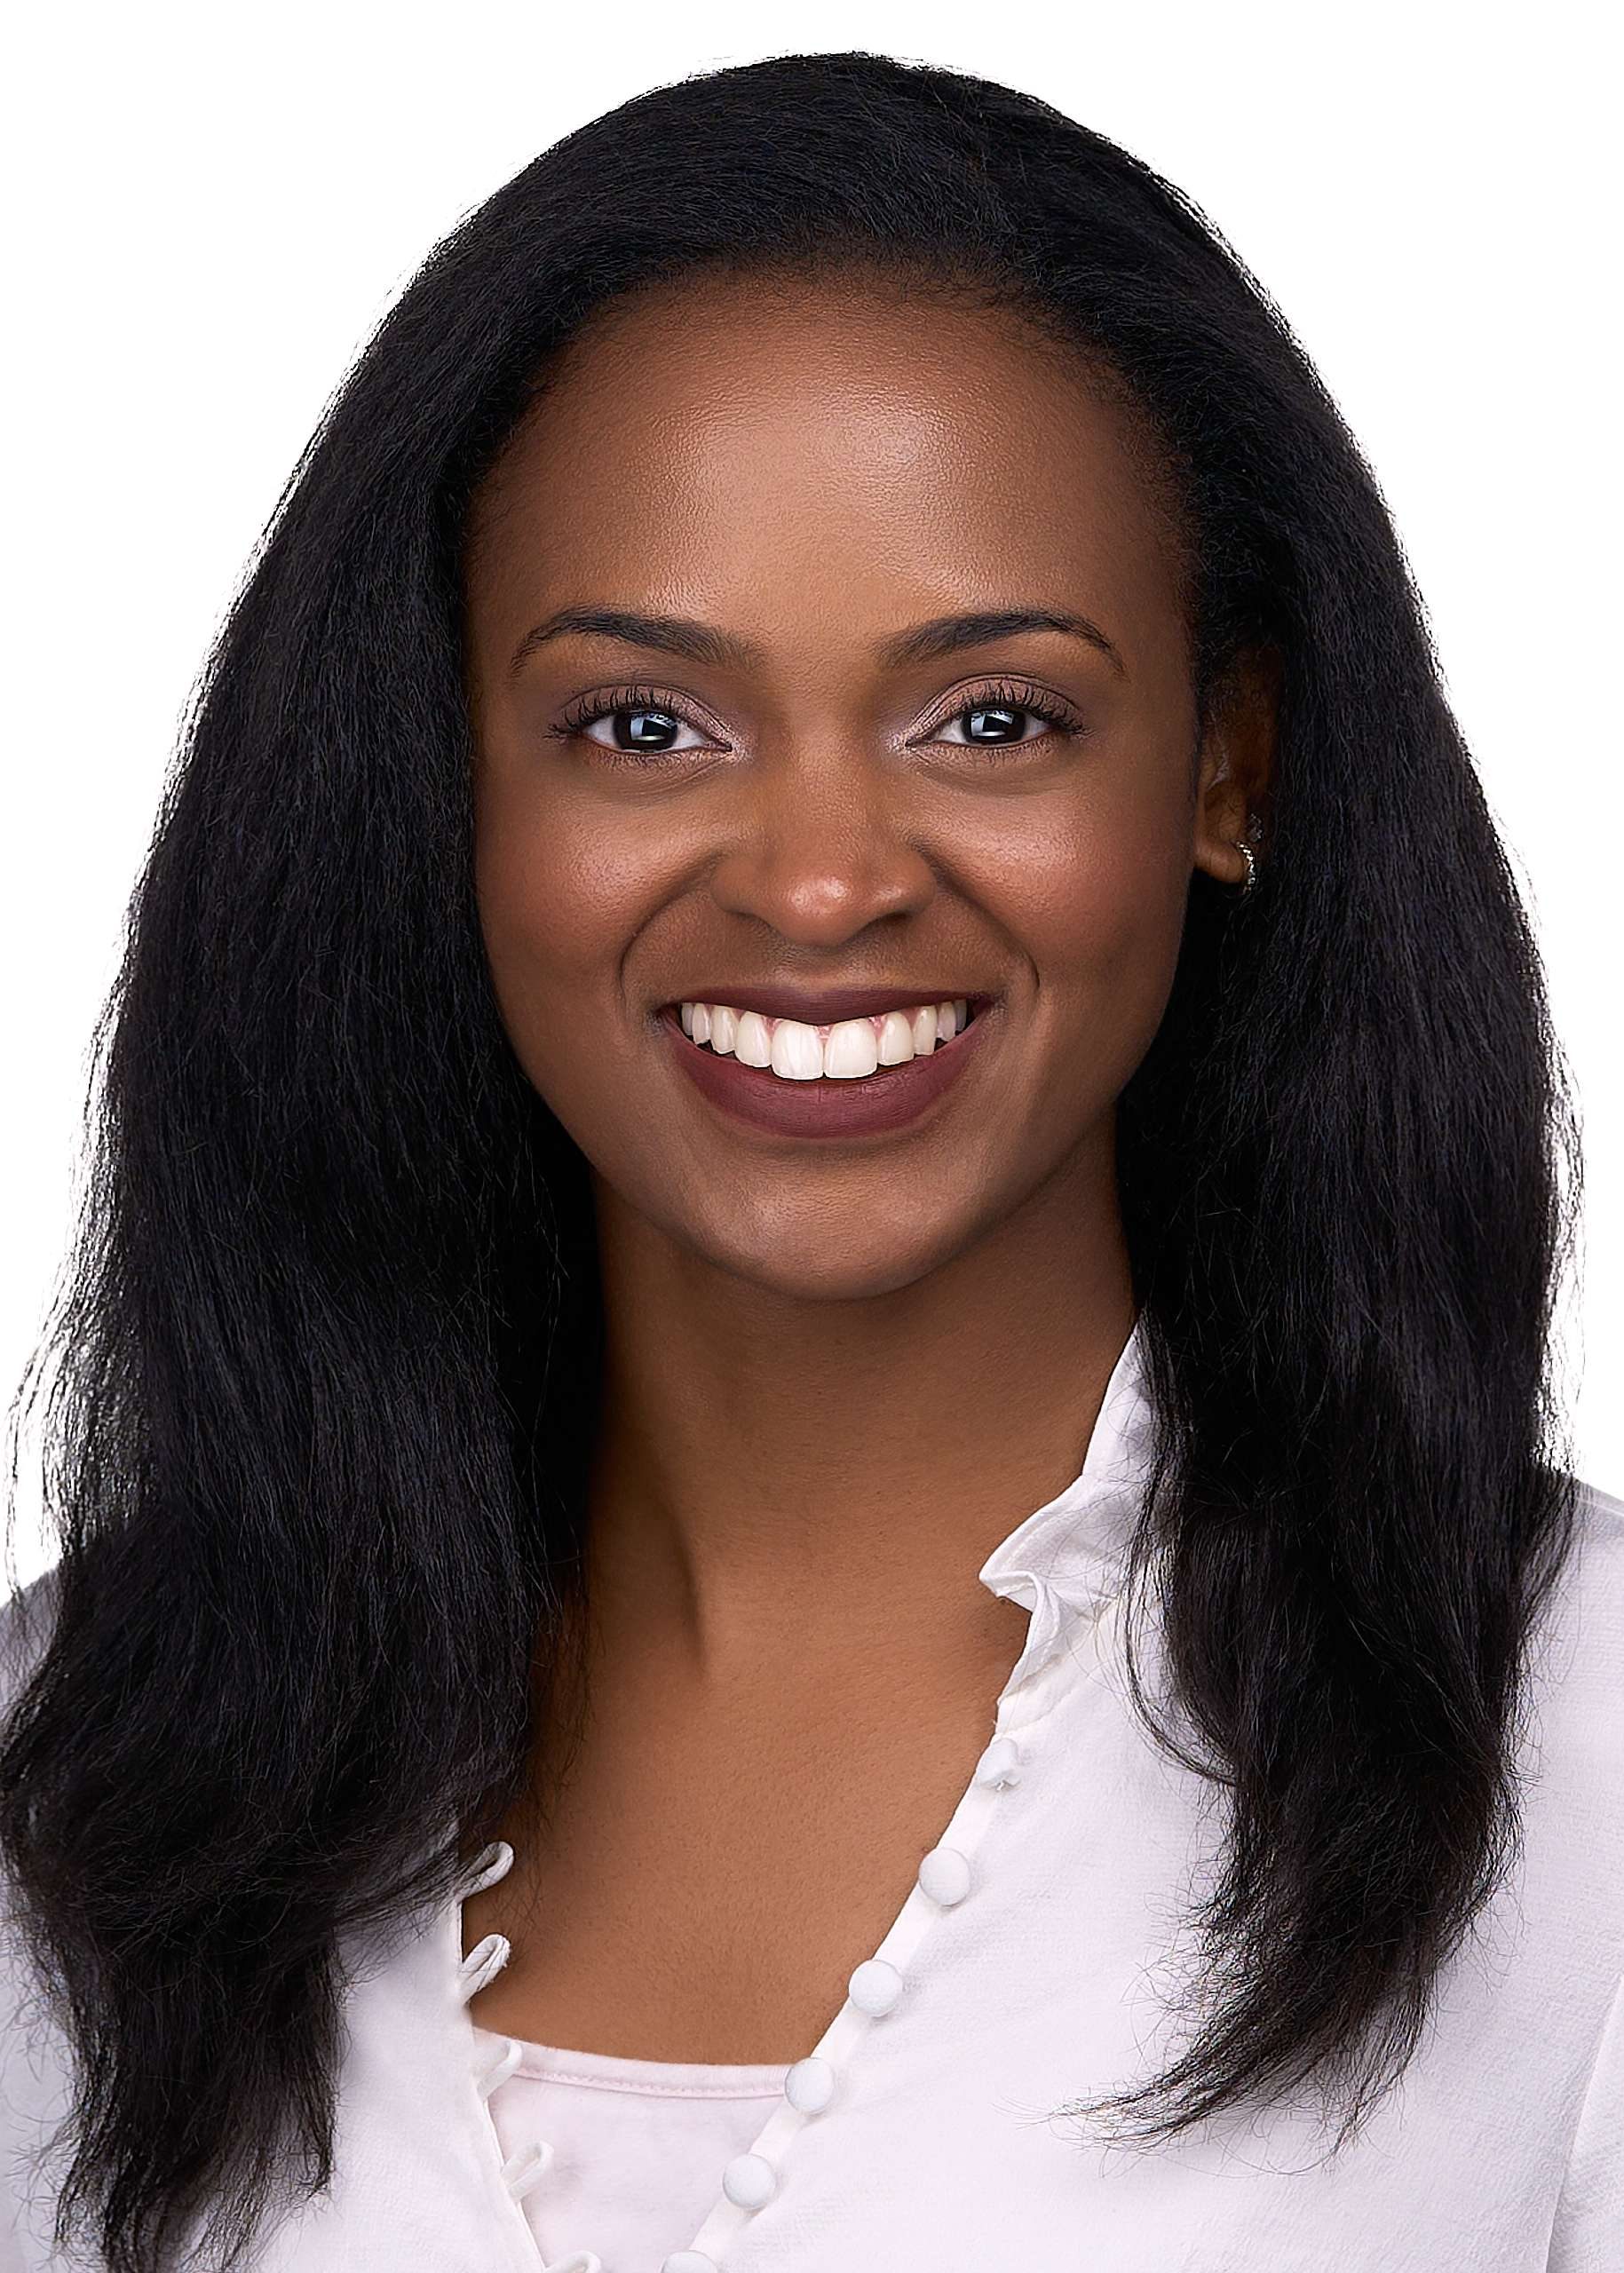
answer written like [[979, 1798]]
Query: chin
[[807, 1262]]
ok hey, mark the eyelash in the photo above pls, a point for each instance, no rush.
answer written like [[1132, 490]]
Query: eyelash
[[1016, 695]]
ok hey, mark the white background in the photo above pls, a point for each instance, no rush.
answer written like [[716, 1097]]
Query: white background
[[211, 208]]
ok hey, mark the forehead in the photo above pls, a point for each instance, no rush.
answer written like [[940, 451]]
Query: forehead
[[727, 440]]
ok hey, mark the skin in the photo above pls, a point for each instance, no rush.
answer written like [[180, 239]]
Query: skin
[[837, 1373]]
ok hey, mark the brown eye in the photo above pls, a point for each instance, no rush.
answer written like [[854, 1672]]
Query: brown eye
[[997, 717], [643, 724]]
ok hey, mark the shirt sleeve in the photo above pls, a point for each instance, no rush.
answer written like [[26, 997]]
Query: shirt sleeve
[[1587, 2236]]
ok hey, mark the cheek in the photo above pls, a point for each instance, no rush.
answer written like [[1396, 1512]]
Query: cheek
[[1126, 956], [556, 909], [1100, 914]]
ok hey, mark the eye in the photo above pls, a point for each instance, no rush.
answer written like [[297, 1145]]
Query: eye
[[644, 722], [998, 713], [650, 721]]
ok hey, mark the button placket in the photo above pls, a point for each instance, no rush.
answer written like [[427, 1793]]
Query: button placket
[[530, 2163], [877, 1987]]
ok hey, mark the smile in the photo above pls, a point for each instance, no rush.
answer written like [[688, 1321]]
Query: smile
[[849, 1050], [849, 1078]]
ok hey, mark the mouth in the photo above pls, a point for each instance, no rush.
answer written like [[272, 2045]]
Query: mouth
[[840, 1078]]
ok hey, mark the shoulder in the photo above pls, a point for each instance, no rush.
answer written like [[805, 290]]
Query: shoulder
[[36, 2067], [1574, 1804], [1601, 1521], [26, 1618], [1577, 1644], [1572, 1726]]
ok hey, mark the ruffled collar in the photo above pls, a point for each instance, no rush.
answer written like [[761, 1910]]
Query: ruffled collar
[[1068, 1556]]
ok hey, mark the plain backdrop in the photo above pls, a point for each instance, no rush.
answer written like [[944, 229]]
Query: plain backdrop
[[209, 208]]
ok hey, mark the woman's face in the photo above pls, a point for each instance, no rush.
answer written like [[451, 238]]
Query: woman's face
[[783, 800]]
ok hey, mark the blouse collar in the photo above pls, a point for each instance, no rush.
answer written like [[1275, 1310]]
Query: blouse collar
[[1067, 1557]]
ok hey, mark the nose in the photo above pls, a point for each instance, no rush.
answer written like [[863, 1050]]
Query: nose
[[820, 844]]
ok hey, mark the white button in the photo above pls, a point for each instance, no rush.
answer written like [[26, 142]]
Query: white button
[[945, 1875], [491, 1865], [521, 2171], [579, 2260], [482, 1963], [1000, 1764], [810, 2086], [749, 2181], [874, 1987], [688, 2260], [499, 2067]]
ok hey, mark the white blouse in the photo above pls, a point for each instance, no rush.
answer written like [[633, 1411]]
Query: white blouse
[[1027, 1967], [631, 2148]]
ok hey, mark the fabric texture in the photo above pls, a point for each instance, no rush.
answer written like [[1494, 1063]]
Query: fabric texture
[[944, 2142], [637, 2144]]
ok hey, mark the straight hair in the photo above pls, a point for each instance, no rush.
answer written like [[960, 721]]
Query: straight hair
[[328, 1352]]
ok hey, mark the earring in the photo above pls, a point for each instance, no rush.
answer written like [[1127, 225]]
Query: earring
[[1252, 835]]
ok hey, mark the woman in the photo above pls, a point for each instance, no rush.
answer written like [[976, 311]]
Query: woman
[[809, 1509]]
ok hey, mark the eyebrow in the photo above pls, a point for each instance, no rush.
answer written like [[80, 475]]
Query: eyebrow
[[702, 643]]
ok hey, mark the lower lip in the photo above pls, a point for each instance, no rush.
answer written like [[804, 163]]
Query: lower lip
[[877, 1102]]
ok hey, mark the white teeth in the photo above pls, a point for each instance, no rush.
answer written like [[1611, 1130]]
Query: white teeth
[[847, 1050], [850, 1051], [798, 1054], [753, 1044]]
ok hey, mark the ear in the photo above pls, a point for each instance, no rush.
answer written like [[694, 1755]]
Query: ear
[[1237, 763]]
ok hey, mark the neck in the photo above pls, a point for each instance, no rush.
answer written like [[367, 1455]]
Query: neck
[[773, 1472]]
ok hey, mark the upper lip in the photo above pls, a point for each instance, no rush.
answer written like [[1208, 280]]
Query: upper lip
[[824, 1006]]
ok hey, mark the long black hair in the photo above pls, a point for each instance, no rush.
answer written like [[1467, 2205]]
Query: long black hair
[[330, 1352]]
